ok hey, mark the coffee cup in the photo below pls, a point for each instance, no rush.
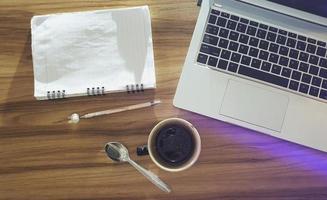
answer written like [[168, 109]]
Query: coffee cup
[[174, 144]]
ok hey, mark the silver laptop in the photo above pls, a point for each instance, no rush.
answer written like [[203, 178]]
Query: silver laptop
[[260, 64]]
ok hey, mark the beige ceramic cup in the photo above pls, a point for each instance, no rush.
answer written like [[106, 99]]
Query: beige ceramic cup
[[152, 148]]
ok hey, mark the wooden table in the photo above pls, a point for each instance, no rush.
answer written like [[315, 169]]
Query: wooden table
[[43, 157]]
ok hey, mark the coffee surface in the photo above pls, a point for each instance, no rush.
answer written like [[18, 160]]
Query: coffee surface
[[174, 144]]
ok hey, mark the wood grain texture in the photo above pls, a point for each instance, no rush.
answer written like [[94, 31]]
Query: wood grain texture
[[43, 157]]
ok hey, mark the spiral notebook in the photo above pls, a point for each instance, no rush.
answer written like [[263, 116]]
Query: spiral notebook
[[92, 53]]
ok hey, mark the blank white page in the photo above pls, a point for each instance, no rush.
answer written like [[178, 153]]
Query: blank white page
[[107, 49]]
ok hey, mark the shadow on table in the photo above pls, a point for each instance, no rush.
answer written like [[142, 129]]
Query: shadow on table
[[15, 38]]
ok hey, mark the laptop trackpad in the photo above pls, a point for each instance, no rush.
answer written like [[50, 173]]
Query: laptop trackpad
[[254, 105]]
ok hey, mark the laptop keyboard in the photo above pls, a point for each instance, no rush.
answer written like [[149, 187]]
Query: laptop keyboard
[[250, 49]]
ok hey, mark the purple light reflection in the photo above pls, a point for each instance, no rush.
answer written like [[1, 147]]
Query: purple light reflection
[[287, 153]]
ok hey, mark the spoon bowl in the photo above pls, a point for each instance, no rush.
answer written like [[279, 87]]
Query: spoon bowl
[[118, 152]]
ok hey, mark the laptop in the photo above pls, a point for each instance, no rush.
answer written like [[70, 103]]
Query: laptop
[[262, 65]]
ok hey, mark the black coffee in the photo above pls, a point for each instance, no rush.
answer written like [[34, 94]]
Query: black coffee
[[174, 144]]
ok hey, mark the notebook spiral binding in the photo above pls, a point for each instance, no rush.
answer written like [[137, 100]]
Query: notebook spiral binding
[[95, 91], [135, 88], [56, 94]]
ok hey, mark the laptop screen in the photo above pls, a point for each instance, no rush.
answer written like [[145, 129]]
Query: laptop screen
[[317, 7]]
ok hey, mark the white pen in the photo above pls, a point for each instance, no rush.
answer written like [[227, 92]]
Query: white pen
[[74, 118]]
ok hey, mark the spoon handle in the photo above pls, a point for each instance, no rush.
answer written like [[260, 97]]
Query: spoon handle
[[151, 176]]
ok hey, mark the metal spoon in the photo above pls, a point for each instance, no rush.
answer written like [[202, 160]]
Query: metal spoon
[[118, 152]]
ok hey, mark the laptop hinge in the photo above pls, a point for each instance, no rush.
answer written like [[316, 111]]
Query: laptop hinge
[[217, 5]]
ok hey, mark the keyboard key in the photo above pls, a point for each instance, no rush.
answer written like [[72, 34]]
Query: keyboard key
[[301, 37], [292, 35], [223, 33], [320, 43], [212, 61], [221, 22], [291, 42], [263, 76], [323, 62], [254, 42], [304, 88], [232, 67], [263, 55], [304, 67], [202, 58], [294, 85], [273, 29], [236, 57], [231, 25], [210, 50], [313, 41], [294, 53], [321, 51], [243, 49], [212, 29], [261, 34], [324, 84], [313, 60], [263, 45], [216, 12], [223, 43], [304, 57], [283, 50], [282, 32], [252, 23], [314, 91], [311, 48], [273, 47], [263, 26], [225, 54], [225, 14], [313, 70], [271, 37], [253, 52], [323, 94], [301, 45], [233, 35], [245, 21], [212, 19], [210, 39], [255, 63], [283, 61], [251, 31], [323, 73], [266, 66], [222, 64], [233, 46], [244, 39], [316, 81], [286, 72], [306, 78], [273, 58], [276, 69], [296, 75], [281, 40], [294, 64], [235, 18], [241, 28], [246, 60]]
